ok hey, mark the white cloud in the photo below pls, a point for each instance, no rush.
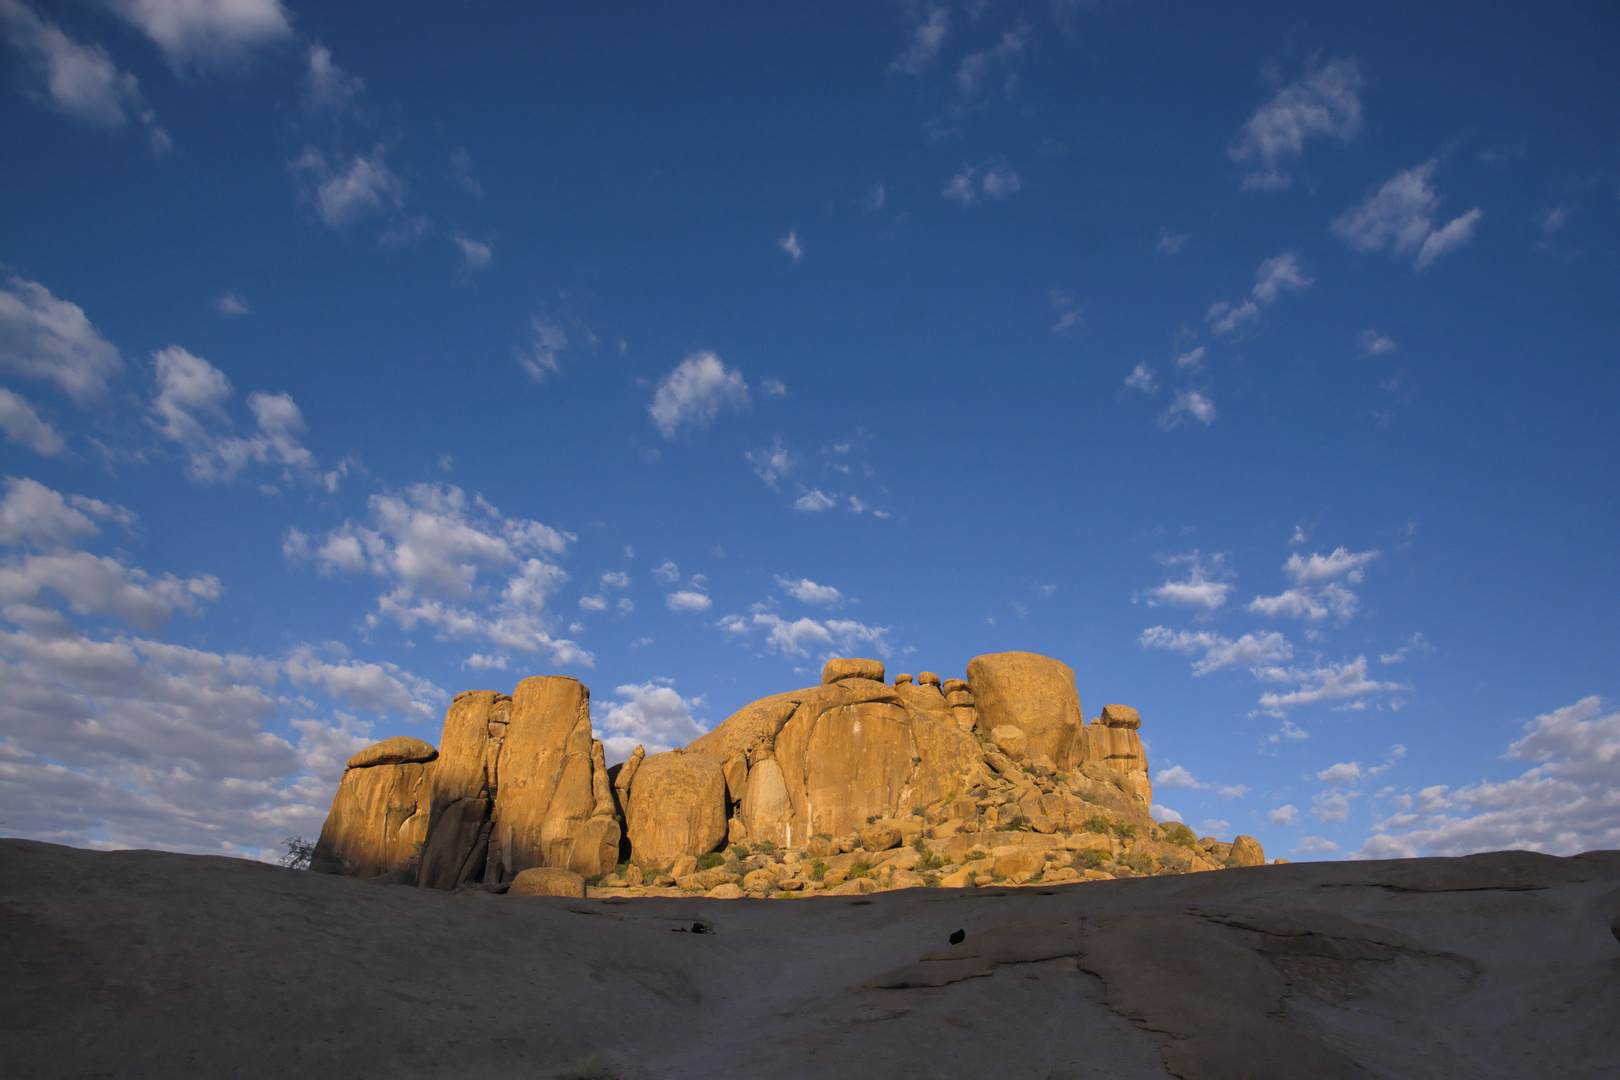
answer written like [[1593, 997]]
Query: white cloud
[[1191, 360], [328, 87], [546, 340], [1214, 826], [1220, 652], [1224, 318], [833, 636], [1201, 587], [94, 585], [808, 592], [1163, 814], [1277, 273], [481, 662], [1454, 234], [33, 514], [977, 68], [48, 339], [366, 186], [651, 715], [1070, 316], [1313, 845], [1317, 593], [593, 603], [1375, 344], [999, 182], [1274, 275], [773, 462], [1341, 562], [688, 600], [667, 572], [815, 500], [1141, 378], [773, 387], [616, 579], [1193, 403], [992, 178], [1283, 815], [206, 32], [1568, 802], [693, 394], [474, 253], [189, 410], [381, 689], [1400, 216], [926, 38], [1345, 772], [1171, 243], [1415, 643], [790, 244], [1323, 103], [1332, 806], [1177, 777], [229, 304], [435, 549], [23, 426], [1331, 682], [80, 81]]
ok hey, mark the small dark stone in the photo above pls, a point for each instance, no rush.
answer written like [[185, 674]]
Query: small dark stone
[[958, 937]]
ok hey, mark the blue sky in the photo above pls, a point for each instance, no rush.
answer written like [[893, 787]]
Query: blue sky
[[1258, 364]]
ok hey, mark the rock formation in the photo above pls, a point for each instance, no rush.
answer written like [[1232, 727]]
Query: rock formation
[[846, 787]]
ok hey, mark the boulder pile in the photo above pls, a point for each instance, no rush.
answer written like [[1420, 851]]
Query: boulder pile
[[852, 786]]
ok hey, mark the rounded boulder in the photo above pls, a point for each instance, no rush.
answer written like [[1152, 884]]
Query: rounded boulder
[[400, 750], [839, 668], [547, 881], [677, 807]]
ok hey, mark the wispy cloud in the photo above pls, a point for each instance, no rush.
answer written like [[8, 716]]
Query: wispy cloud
[[80, 81], [790, 244], [1322, 103], [693, 394], [1201, 588], [1400, 216], [927, 35]]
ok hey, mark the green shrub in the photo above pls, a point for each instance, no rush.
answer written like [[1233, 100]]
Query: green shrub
[[1093, 860], [1175, 864], [1141, 864], [818, 870], [1230, 862], [1016, 823], [861, 868], [765, 847], [710, 861], [927, 859], [971, 855], [1177, 833]]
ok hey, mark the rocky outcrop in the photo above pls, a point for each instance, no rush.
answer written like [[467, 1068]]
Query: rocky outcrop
[[1033, 693], [1111, 740], [379, 816], [677, 807], [845, 787]]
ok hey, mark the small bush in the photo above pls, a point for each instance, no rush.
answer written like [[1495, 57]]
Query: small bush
[[861, 868], [765, 847], [1093, 860], [1230, 862], [918, 811], [818, 870], [710, 861], [1140, 865], [927, 859], [299, 852], [1175, 864], [931, 879], [1016, 823], [590, 1067], [1177, 833], [971, 855]]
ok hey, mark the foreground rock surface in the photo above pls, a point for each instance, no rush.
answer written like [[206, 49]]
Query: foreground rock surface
[[146, 964]]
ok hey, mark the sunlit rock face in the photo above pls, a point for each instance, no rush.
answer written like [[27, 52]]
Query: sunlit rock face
[[997, 760], [379, 817], [1035, 694], [1112, 740]]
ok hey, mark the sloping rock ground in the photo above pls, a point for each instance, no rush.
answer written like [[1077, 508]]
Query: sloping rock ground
[[148, 964]]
